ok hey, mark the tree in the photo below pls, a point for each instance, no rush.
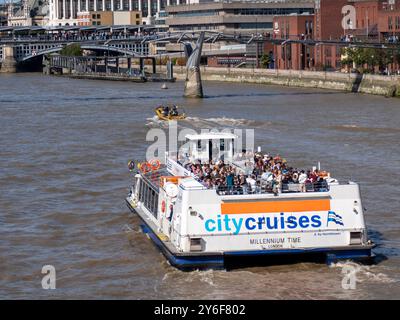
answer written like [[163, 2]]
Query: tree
[[265, 60], [72, 50]]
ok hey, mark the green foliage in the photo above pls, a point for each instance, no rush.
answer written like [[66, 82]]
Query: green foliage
[[265, 60], [72, 50], [366, 59]]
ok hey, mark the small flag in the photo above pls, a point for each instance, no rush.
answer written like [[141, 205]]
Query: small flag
[[334, 217]]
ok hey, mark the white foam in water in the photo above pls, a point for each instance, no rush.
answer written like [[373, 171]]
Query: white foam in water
[[215, 122], [206, 276], [231, 121], [155, 121], [365, 273]]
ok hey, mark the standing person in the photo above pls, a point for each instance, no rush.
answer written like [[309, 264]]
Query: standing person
[[278, 182], [302, 180], [229, 181]]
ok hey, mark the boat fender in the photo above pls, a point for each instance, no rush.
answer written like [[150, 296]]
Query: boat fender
[[131, 165]]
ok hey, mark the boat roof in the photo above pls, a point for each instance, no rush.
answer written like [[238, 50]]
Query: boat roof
[[211, 136], [190, 183]]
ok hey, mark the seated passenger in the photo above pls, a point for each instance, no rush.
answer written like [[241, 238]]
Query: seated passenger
[[174, 111], [166, 111], [321, 185]]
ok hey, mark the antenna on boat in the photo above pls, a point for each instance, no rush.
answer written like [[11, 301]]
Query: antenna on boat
[[319, 166]]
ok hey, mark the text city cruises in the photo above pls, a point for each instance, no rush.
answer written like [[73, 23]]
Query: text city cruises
[[199, 219]]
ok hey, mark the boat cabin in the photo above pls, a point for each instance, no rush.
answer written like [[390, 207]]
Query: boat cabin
[[211, 146]]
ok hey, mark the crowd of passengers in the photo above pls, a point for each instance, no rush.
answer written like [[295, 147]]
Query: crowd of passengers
[[266, 174]]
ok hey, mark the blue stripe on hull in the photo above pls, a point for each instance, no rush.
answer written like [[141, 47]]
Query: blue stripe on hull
[[208, 261], [340, 254]]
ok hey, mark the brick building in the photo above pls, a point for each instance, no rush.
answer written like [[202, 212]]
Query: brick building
[[295, 56], [389, 20], [376, 20], [324, 24]]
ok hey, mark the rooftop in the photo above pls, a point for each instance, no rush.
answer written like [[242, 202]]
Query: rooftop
[[211, 136]]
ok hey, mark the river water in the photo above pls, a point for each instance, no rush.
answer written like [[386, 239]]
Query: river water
[[63, 178]]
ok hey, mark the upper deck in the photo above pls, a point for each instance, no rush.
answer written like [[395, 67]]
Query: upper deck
[[211, 159]]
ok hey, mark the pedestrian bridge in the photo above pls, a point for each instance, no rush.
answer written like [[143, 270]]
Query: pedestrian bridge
[[27, 50]]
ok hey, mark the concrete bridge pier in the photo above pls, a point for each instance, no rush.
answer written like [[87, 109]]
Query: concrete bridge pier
[[193, 85], [9, 64]]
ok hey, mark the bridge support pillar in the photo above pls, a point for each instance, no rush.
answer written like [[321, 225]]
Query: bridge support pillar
[[193, 85], [153, 62], [9, 64]]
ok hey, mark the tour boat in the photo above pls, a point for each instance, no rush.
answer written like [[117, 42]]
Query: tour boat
[[196, 226]]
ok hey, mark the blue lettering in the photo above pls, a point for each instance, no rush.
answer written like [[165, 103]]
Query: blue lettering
[[316, 221], [260, 222], [226, 220], [304, 222], [282, 220], [237, 225], [291, 222], [219, 223], [268, 223], [247, 223], [207, 225]]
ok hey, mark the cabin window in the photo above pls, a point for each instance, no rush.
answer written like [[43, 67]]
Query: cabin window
[[148, 196], [221, 144]]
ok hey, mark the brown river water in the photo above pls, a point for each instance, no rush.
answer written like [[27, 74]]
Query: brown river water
[[64, 150]]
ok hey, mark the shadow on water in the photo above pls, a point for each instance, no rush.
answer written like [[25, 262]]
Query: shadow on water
[[233, 263], [378, 238], [129, 98], [357, 82], [272, 94]]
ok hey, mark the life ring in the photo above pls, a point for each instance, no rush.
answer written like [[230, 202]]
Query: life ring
[[144, 167], [154, 164], [323, 174], [295, 176]]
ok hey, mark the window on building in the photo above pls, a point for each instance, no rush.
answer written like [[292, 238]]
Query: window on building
[[328, 52], [390, 23], [397, 22], [93, 16]]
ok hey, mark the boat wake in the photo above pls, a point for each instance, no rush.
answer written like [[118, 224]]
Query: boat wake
[[156, 122], [356, 128], [206, 123], [364, 273], [196, 276], [220, 122]]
